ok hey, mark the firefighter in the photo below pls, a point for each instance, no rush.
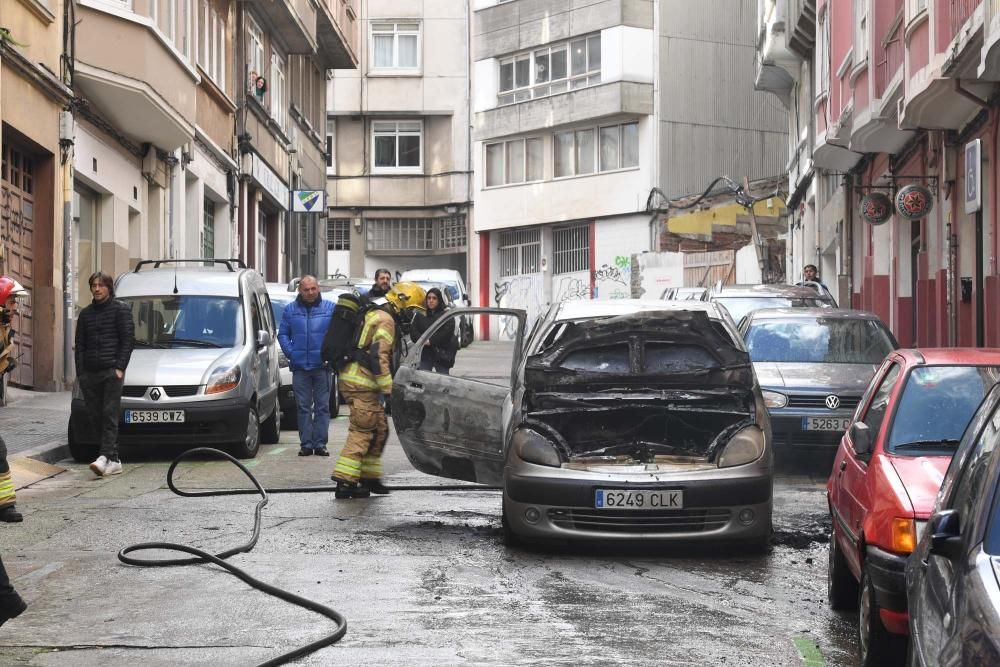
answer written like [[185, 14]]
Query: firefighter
[[366, 385]]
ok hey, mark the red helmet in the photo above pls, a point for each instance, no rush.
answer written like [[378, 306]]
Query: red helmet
[[7, 287]]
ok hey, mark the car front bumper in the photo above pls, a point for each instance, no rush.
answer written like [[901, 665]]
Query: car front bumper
[[888, 575], [205, 423], [788, 432], [563, 502]]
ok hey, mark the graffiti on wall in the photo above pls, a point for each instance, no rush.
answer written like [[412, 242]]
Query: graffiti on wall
[[571, 288], [524, 292], [614, 281]]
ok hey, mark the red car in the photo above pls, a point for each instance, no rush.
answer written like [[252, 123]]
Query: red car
[[885, 478]]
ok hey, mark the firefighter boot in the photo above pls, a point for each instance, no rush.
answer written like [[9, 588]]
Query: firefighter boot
[[9, 514], [375, 486], [347, 490]]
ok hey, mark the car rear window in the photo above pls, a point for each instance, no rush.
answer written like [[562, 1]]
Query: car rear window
[[819, 341], [936, 405]]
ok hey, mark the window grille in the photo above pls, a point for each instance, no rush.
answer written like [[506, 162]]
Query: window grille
[[571, 249], [338, 234], [453, 233], [520, 251], [400, 234], [208, 229]]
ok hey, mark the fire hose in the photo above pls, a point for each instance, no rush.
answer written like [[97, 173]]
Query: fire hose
[[199, 556]]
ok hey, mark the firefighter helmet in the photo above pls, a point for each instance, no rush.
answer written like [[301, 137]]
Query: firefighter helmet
[[406, 295], [8, 288]]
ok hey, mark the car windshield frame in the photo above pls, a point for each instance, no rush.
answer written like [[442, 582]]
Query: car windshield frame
[[174, 321], [879, 339], [903, 444]]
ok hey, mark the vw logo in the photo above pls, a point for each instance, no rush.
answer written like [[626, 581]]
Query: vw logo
[[832, 402], [155, 395]]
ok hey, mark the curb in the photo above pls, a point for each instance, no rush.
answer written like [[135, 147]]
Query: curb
[[51, 452]]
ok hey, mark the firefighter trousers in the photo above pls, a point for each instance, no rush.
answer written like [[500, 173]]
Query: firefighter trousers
[[7, 496], [367, 431]]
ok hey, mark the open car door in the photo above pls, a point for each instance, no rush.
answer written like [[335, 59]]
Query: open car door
[[452, 425]]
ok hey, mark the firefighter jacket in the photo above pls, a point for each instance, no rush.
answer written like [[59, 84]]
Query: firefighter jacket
[[378, 337]]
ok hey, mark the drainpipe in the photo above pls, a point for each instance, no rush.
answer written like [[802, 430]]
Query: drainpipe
[[67, 255], [848, 254], [171, 192]]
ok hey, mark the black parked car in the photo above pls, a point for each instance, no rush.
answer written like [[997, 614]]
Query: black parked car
[[952, 576]]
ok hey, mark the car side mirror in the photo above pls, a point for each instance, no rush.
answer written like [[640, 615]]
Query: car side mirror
[[946, 534], [263, 338], [861, 438]]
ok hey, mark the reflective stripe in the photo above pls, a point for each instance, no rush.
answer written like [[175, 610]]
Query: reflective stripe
[[6, 489], [348, 467], [384, 334], [364, 340], [353, 374], [384, 383], [371, 467]]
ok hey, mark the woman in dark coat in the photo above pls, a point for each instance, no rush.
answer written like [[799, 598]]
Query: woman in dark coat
[[439, 352]]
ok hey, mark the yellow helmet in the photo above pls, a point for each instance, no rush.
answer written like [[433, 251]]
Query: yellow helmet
[[406, 295]]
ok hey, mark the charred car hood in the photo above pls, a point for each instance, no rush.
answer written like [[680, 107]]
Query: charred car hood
[[852, 378], [675, 349], [922, 477]]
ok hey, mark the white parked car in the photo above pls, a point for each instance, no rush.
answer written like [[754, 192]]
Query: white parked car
[[452, 281]]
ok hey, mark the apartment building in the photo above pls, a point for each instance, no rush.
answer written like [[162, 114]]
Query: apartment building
[[588, 118], [33, 93], [399, 170], [898, 196]]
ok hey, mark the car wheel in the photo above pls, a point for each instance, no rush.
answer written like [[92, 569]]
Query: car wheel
[[247, 449], [510, 538], [81, 452], [841, 587], [877, 646], [270, 430], [334, 400]]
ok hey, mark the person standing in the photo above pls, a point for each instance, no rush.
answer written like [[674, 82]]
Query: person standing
[[383, 282], [810, 274], [303, 324], [11, 604], [439, 351], [366, 385], [105, 336], [8, 512]]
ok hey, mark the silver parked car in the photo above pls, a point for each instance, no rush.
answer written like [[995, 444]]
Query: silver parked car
[[205, 366], [813, 365], [619, 420], [742, 299], [953, 576]]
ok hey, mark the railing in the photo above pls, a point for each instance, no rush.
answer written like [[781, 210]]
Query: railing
[[959, 12], [892, 60]]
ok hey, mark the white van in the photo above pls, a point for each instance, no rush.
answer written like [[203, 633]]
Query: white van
[[452, 280], [204, 371]]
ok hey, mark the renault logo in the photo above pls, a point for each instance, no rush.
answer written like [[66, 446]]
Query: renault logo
[[155, 395], [832, 402]]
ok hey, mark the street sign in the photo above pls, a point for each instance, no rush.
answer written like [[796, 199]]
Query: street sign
[[309, 201], [973, 176]]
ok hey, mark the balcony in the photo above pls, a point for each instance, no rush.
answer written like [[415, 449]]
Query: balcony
[[337, 34], [777, 66], [607, 99], [989, 66], [876, 128], [393, 191], [294, 21], [801, 26], [830, 151], [151, 95]]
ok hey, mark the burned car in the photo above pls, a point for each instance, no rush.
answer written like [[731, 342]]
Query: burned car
[[619, 420]]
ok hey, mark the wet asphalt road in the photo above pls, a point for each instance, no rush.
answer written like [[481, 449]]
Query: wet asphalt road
[[422, 576]]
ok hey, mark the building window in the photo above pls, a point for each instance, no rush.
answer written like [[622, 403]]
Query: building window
[[396, 146], [262, 244], [453, 232], [519, 252], [822, 65], [861, 31], [516, 161], [574, 152], [338, 234], [208, 229], [212, 44], [331, 165], [571, 249], [400, 234], [395, 46], [255, 53], [550, 70], [279, 93]]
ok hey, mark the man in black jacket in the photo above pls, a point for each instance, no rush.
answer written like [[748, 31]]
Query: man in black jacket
[[105, 336]]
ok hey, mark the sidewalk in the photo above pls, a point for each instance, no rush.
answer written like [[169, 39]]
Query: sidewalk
[[35, 421]]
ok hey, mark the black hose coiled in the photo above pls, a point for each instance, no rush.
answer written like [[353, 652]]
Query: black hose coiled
[[199, 556]]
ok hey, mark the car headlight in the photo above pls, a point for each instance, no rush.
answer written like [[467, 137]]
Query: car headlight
[[223, 379], [773, 399], [904, 535], [533, 447], [282, 360], [745, 447]]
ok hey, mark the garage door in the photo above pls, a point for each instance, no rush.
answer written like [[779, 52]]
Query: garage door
[[17, 205]]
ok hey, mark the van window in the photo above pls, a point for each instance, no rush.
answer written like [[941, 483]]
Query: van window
[[186, 321], [258, 322]]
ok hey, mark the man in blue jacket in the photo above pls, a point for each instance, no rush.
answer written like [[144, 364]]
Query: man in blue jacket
[[303, 324]]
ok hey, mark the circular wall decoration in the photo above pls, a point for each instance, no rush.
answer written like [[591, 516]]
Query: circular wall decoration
[[914, 201], [876, 208]]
